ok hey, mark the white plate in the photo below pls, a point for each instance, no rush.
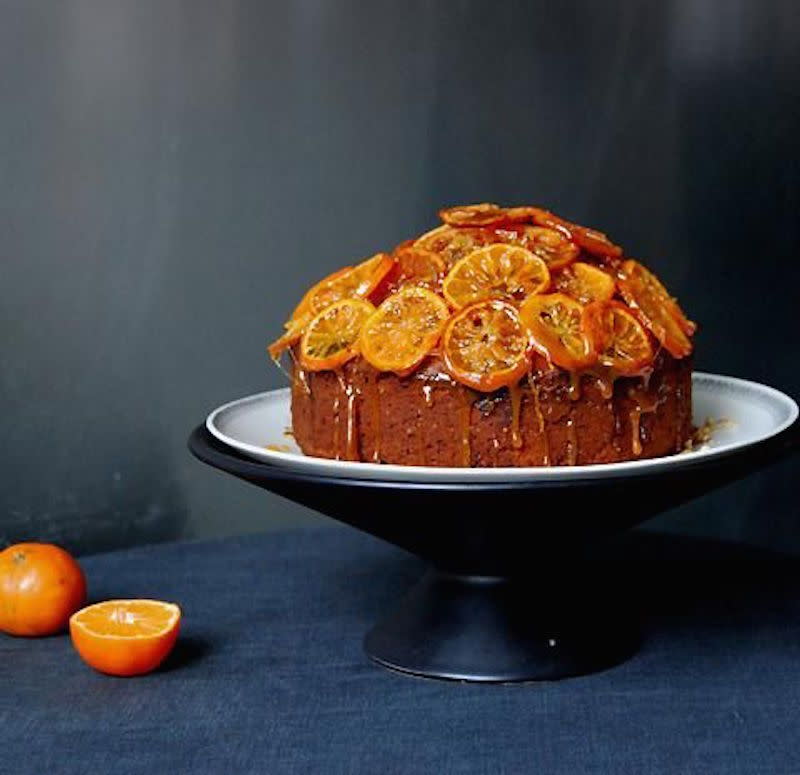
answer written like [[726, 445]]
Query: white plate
[[256, 425]]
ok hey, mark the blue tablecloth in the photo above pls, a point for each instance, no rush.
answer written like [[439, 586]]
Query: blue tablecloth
[[269, 676]]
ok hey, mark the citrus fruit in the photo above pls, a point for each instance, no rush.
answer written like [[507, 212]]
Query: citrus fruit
[[555, 324], [485, 346], [642, 290], [618, 337], [350, 282], [330, 339], [585, 283], [592, 241], [483, 214], [41, 586], [294, 330], [453, 243], [495, 272], [404, 329], [125, 637], [551, 245], [419, 266]]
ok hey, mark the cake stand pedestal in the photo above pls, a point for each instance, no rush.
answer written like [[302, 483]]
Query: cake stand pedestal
[[517, 589]]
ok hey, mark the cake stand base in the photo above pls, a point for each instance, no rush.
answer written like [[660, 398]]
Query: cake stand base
[[495, 629]]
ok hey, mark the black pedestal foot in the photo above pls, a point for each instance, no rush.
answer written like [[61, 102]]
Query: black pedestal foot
[[472, 628]]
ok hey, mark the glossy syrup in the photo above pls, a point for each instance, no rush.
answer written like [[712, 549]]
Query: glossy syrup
[[465, 421], [515, 392], [537, 410], [572, 443]]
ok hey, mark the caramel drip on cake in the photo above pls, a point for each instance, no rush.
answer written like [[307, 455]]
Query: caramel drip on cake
[[466, 416], [572, 443], [537, 408], [605, 384], [515, 393], [427, 394], [351, 419], [635, 417], [299, 375], [376, 421], [635, 414], [574, 390]]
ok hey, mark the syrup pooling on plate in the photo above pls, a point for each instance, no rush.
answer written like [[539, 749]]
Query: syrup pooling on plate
[[495, 300]]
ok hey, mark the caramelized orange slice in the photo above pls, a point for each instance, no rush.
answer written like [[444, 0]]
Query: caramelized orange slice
[[404, 329], [332, 336], [551, 245], [294, 330], [452, 243], [484, 214], [594, 242], [555, 323], [351, 282], [618, 337], [643, 291], [485, 346], [495, 272], [585, 283], [419, 266]]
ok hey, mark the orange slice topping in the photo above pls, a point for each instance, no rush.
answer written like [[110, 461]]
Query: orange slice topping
[[551, 245], [618, 337], [485, 346], [495, 272], [585, 283], [452, 243], [294, 330], [351, 282], [404, 329], [125, 637], [555, 323], [332, 336], [419, 266], [594, 242], [642, 290], [483, 214]]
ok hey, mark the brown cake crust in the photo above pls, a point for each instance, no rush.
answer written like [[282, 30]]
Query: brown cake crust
[[359, 413]]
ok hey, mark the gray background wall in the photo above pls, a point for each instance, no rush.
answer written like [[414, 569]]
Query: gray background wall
[[174, 174]]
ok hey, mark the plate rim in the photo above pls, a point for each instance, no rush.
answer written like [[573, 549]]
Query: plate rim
[[343, 469]]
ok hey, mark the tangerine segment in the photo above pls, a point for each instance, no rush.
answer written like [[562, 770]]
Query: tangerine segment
[[618, 337], [404, 329], [592, 241], [125, 637], [484, 214], [551, 245], [485, 346], [495, 272], [643, 291], [585, 283], [453, 244], [332, 336], [349, 283], [555, 323]]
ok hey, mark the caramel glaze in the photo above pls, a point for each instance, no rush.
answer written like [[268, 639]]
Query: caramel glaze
[[358, 414]]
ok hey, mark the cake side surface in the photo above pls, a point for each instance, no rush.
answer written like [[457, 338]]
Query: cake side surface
[[359, 413]]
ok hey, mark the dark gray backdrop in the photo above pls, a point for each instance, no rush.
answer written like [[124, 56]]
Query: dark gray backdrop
[[174, 174]]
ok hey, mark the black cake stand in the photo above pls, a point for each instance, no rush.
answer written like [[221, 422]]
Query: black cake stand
[[516, 588]]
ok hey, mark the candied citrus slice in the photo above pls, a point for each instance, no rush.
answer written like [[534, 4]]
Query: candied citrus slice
[[419, 266], [294, 330], [485, 346], [495, 272], [404, 329], [348, 283], [484, 214], [643, 291], [555, 323], [452, 243], [332, 336], [551, 245], [618, 337], [592, 241], [125, 637], [585, 283]]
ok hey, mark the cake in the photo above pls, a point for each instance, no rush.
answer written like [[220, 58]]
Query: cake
[[503, 337]]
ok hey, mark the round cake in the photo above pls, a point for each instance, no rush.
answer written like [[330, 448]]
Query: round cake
[[503, 337]]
